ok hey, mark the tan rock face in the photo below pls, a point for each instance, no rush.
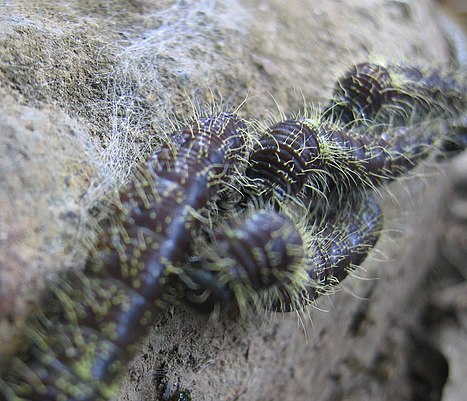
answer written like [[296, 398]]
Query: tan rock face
[[90, 87]]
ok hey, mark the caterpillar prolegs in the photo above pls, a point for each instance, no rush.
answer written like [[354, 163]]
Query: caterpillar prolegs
[[267, 255]]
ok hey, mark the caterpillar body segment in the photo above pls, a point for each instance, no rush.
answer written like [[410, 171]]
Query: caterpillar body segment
[[344, 246], [360, 93], [91, 321], [333, 251], [283, 157], [396, 95], [244, 259]]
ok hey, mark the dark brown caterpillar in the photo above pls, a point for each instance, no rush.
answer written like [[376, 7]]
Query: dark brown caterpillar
[[336, 247], [322, 156], [396, 95], [360, 93], [80, 343], [244, 258], [271, 261], [283, 158]]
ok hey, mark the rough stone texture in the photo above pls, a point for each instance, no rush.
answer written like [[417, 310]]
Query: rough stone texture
[[43, 178], [445, 321], [89, 87]]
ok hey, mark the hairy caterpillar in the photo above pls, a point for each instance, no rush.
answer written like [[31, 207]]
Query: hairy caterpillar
[[398, 95], [244, 258], [80, 343], [318, 154], [335, 247], [360, 140], [82, 340], [360, 93], [281, 261], [341, 157]]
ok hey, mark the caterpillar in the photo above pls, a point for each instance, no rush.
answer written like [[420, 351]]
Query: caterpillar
[[362, 139], [396, 95], [91, 321], [244, 257], [281, 260], [320, 155], [360, 93], [335, 247], [268, 255], [342, 157]]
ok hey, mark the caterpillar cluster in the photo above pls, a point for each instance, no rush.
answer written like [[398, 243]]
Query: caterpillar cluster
[[281, 259], [305, 218], [98, 316]]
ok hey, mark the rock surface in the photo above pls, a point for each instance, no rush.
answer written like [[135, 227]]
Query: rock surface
[[91, 87]]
